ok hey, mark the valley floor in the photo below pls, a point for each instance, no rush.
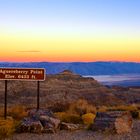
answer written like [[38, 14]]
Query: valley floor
[[82, 135]]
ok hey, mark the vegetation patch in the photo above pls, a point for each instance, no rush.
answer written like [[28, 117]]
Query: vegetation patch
[[102, 109], [78, 112], [88, 118], [123, 108], [7, 127], [68, 118], [18, 112], [135, 114], [82, 107]]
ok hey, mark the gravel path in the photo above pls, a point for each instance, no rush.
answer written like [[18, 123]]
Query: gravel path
[[82, 135]]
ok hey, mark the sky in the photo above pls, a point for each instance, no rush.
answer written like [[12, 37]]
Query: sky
[[69, 30]]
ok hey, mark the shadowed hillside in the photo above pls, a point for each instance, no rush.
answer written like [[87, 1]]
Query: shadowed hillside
[[65, 87]]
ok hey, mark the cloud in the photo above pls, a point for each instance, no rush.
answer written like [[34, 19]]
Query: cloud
[[28, 51]]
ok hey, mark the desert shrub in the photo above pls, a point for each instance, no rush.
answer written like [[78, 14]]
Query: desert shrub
[[60, 115], [88, 118], [7, 127], [81, 107], [135, 114], [138, 106], [75, 111], [102, 109], [123, 108], [1, 112], [68, 118], [59, 107], [18, 112]]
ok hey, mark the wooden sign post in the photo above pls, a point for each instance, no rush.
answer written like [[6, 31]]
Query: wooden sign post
[[22, 74], [5, 103], [38, 93]]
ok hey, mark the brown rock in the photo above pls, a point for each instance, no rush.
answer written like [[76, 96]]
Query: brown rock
[[50, 124], [115, 121], [36, 114], [36, 127], [30, 125], [69, 126]]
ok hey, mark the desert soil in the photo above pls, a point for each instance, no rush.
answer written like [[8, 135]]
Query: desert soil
[[82, 135]]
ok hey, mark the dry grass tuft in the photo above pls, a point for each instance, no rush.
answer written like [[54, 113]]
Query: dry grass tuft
[[59, 107], [81, 107], [88, 118], [75, 112], [68, 118], [7, 127], [102, 109], [18, 112], [135, 114], [123, 108]]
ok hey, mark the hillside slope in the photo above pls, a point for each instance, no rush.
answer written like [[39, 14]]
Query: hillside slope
[[65, 87]]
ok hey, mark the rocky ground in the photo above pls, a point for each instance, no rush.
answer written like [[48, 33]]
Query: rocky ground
[[81, 135]]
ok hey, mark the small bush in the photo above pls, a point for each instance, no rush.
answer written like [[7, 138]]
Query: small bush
[[88, 118], [18, 112], [102, 109], [138, 106], [123, 108], [135, 114], [81, 107], [59, 107], [60, 115], [7, 127], [68, 118], [1, 111]]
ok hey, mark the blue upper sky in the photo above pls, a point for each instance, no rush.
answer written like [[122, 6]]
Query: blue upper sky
[[72, 12]]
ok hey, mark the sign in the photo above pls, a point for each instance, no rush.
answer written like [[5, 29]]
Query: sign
[[28, 74]]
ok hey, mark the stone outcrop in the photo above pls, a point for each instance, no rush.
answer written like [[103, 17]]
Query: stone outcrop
[[69, 126], [115, 121], [43, 121], [38, 122]]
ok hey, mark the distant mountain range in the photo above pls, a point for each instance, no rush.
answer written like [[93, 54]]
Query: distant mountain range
[[82, 68]]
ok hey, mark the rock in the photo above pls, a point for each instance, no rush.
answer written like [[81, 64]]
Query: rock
[[115, 121], [49, 130], [55, 122], [50, 124], [39, 121], [36, 127], [36, 114], [69, 126], [24, 126], [30, 125]]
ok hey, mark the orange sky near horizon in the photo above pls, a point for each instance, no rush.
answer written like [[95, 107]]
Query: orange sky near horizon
[[72, 49]]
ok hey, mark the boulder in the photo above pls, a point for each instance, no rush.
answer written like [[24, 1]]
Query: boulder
[[30, 125], [39, 121], [37, 113], [115, 121], [36, 127], [50, 124], [69, 126]]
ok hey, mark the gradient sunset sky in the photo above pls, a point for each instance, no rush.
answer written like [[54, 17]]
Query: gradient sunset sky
[[69, 30]]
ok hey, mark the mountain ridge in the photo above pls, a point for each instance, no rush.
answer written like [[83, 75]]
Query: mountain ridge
[[82, 68]]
